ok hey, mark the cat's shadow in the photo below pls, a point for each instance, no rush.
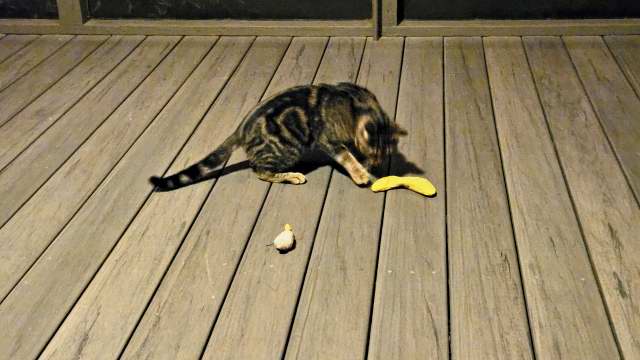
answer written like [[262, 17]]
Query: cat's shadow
[[313, 161], [401, 166]]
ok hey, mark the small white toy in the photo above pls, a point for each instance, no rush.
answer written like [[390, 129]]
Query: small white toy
[[285, 240]]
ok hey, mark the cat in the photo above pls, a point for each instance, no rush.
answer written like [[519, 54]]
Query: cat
[[345, 121]]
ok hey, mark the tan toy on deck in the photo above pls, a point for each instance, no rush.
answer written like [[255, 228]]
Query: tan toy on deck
[[417, 184], [285, 240]]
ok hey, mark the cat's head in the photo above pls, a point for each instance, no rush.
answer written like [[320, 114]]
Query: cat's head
[[377, 138]]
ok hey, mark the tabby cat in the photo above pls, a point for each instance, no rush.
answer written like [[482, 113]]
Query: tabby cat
[[345, 121]]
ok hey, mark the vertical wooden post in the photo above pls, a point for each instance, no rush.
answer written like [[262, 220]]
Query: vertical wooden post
[[375, 18], [72, 12], [389, 14]]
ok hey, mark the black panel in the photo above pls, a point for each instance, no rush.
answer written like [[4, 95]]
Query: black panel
[[31, 9], [517, 9], [232, 9]]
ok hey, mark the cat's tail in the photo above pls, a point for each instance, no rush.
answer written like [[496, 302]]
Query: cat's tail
[[199, 170]]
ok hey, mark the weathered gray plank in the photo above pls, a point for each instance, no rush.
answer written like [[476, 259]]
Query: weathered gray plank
[[626, 49], [28, 124], [410, 307], [342, 267], [10, 44], [613, 99], [177, 321], [59, 198], [116, 298], [43, 297], [488, 314], [34, 166], [607, 210], [249, 325], [30, 56], [410, 303], [39, 79], [566, 313]]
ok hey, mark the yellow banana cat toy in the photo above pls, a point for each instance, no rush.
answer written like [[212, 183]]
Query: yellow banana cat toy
[[417, 184]]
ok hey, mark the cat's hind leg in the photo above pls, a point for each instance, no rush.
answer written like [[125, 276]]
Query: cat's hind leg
[[271, 164], [267, 171]]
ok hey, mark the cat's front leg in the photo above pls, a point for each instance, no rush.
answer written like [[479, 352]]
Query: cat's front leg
[[357, 171]]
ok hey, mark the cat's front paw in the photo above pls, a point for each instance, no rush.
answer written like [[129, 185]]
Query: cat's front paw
[[361, 178]]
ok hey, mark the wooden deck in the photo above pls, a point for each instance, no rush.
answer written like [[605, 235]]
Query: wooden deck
[[531, 249]]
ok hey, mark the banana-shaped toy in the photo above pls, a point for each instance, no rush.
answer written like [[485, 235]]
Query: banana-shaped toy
[[417, 184]]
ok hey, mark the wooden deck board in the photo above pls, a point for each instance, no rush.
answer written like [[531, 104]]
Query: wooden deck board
[[488, 316], [410, 316], [11, 44], [15, 97], [27, 58], [69, 187], [38, 116], [104, 304], [248, 313], [626, 50], [343, 262], [201, 272], [529, 250], [63, 196], [566, 313], [95, 111], [613, 99], [107, 212], [607, 210], [297, 56]]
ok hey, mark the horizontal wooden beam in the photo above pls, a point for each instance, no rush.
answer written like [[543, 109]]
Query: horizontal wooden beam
[[325, 27], [512, 27], [193, 27]]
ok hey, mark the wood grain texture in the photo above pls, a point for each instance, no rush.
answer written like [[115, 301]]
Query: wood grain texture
[[30, 56], [332, 317], [58, 143], [488, 314], [32, 121], [104, 317], [613, 99], [607, 210], [46, 293], [39, 79], [626, 50], [60, 197], [11, 44], [249, 326], [566, 313], [177, 321], [410, 302]]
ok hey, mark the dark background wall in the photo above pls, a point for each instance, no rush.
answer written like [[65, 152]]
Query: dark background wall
[[517, 9], [231, 9], [34, 9]]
